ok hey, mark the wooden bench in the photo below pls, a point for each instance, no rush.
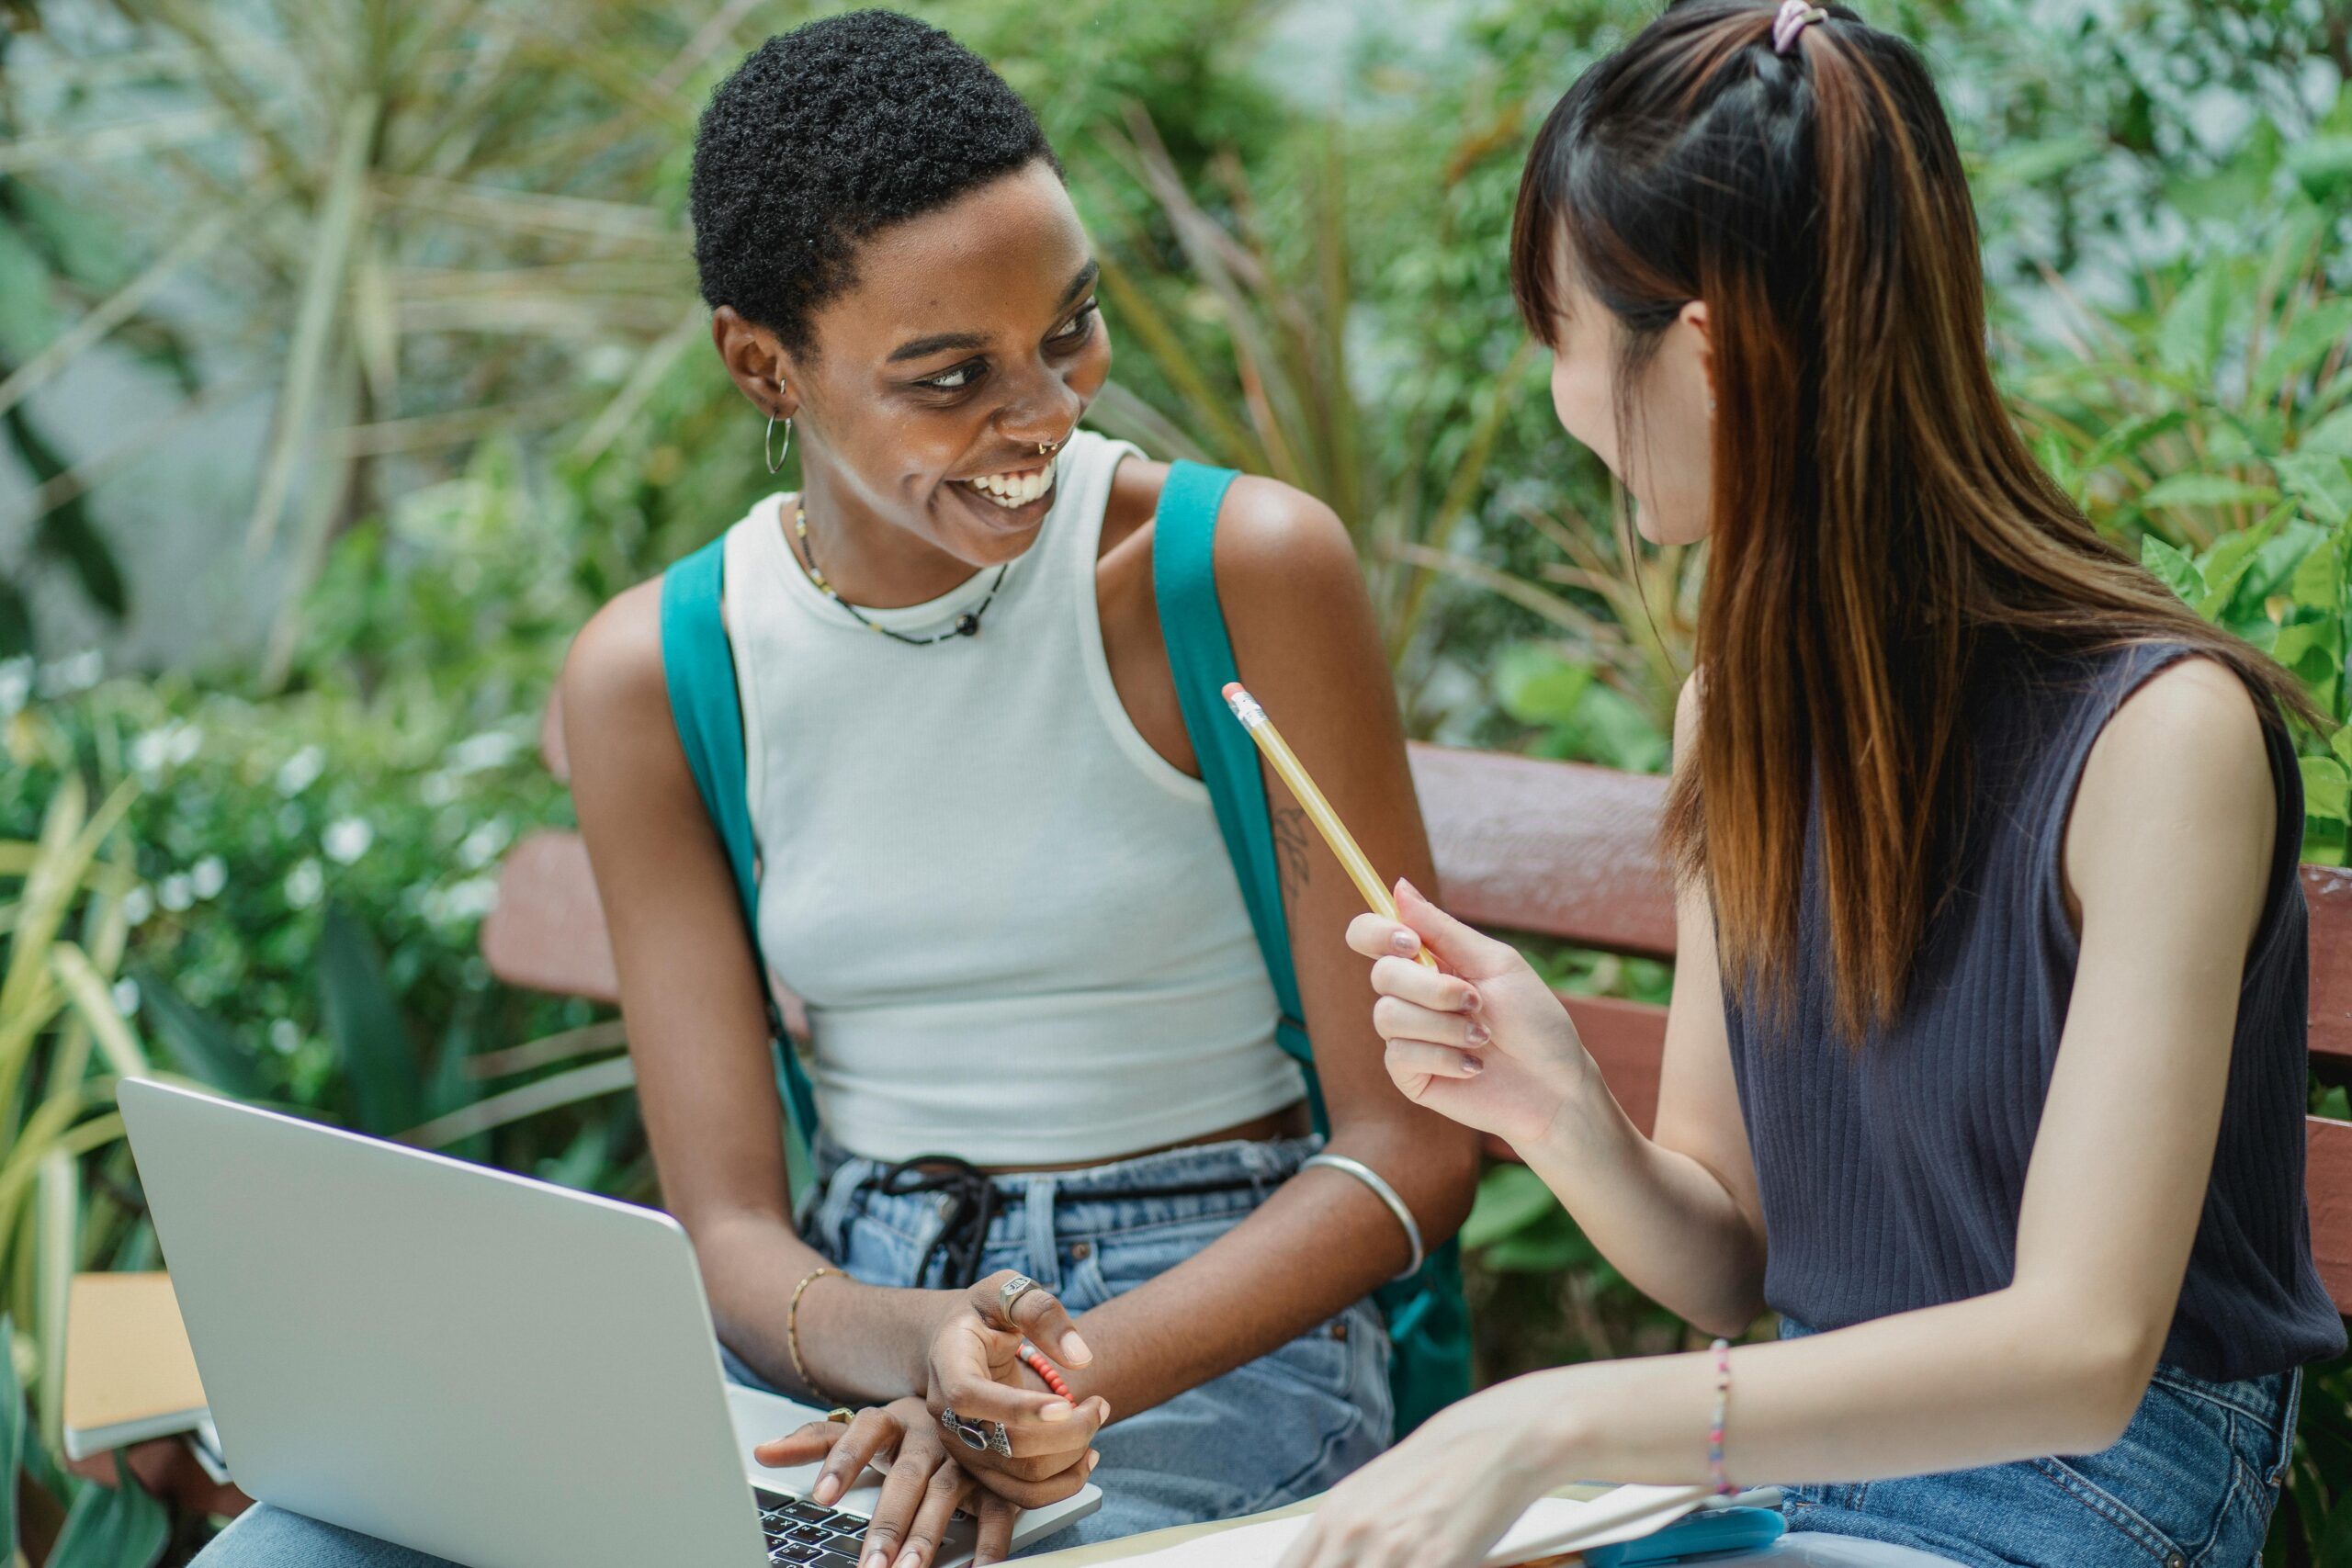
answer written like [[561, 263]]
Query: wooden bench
[[1556, 850]]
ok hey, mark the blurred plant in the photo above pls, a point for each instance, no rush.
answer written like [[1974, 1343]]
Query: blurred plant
[[1280, 402], [455, 199]]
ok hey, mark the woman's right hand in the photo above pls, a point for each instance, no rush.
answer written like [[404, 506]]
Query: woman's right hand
[[1485, 1043], [975, 1370]]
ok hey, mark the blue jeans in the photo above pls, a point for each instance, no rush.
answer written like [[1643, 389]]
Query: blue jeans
[[2191, 1484], [1289, 1424]]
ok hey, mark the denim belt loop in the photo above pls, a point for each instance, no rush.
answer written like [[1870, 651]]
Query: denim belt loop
[[835, 1192], [1045, 1254]]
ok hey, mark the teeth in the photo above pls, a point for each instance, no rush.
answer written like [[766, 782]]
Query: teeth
[[1013, 490]]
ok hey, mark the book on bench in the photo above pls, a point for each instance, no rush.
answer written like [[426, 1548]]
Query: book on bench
[[129, 1372]]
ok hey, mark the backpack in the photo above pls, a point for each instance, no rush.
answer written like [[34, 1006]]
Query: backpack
[[1427, 1320]]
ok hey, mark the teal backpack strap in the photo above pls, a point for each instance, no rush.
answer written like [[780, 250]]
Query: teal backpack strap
[[1183, 571], [1429, 1324], [698, 667]]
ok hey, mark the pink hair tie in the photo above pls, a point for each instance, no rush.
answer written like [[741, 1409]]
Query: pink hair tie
[[1794, 15]]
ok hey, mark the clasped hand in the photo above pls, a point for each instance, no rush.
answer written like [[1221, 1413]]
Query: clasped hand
[[973, 1368]]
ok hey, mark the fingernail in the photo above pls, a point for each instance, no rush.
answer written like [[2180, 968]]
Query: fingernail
[[1405, 943], [828, 1487], [877, 1558], [911, 1558], [1473, 1002], [1058, 1410], [1075, 1350], [1477, 1033], [1473, 1066], [1409, 887], [1093, 1458]]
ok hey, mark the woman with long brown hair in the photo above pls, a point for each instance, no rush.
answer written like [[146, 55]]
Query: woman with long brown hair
[[1984, 1067]]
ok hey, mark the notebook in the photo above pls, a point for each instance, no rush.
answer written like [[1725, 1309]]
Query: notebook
[[130, 1374], [1552, 1528]]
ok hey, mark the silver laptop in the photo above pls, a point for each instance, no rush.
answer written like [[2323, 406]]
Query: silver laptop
[[468, 1362]]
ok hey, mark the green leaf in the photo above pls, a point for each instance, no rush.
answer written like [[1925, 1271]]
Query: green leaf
[[2321, 479], [2320, 162], [2032, 163], [2205, 490], [2231, 558], [2318, 580], [2340, 743], [198, 1044], [2302, 346], [2189, 338], [2319, 641], [1511, 1198], [364, 1023], [1536, 685], [2332, 434], [2179, 572], [113, 1527], [2326, 788]]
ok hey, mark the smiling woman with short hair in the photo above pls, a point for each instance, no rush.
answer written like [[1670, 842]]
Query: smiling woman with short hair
[[1043, 1036]]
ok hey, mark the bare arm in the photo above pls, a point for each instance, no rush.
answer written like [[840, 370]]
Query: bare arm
[[697, 1027], [1676, 1213], [1306, 641], [2167, 852]]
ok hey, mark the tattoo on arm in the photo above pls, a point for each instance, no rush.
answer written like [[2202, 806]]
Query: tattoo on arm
[[1292, 837]]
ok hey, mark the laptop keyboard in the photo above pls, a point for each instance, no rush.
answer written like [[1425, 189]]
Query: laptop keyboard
[[801, 1534]]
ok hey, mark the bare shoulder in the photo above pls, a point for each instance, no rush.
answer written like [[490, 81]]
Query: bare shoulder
[[2177, 787], [1274, 538], [614, 664], [2190, 734]]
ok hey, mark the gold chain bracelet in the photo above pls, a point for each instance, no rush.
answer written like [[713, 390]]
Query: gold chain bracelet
[[792, 1330]]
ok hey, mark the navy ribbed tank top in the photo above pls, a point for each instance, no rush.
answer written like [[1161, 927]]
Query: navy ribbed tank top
[[1892, 1173]]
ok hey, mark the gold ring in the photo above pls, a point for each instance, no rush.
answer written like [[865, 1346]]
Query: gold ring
[[841, 1412]]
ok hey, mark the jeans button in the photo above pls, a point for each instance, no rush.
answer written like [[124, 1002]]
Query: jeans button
[[1340, 1331], [2175, 1560], [1081, 1250]]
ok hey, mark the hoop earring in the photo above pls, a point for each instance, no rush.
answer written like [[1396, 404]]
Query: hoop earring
[[768, 441]]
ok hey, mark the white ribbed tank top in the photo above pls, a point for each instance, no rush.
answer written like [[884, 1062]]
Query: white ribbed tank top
[[1012, 921]]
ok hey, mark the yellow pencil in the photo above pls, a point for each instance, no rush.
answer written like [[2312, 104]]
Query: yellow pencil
[[1319, 810]]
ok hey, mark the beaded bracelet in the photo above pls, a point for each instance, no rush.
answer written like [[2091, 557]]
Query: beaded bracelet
[[792, 1330], [1724, 1488], [1045, 1369]]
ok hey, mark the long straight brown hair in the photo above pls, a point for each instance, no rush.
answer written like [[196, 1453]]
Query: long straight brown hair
[[1874, 515]]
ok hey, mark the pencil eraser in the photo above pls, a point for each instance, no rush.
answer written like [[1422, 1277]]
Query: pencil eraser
[[1231, 687]]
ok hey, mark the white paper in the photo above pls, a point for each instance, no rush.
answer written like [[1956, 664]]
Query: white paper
[[1552, 1526]]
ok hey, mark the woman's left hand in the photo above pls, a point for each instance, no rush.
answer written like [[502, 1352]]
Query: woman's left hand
[[1444, 1496], [921, 1493]]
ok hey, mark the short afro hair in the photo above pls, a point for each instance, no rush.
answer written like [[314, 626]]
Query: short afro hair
[[825, 135]]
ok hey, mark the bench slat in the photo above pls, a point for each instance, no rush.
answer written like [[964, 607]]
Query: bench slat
[[547, 931], [1558, 849]]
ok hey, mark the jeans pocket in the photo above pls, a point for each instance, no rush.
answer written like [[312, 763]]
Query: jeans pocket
[[2114, 1511]]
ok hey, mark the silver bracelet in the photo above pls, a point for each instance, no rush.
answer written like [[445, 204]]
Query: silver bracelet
[[1385, 1193]]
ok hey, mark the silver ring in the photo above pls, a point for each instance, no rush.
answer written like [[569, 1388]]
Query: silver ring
[[985, 1437], [1010, 1293]]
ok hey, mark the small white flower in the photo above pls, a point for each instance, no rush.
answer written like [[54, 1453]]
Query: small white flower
[[207, 877], [437, 788], [346, 838], [301, 769], [284, 1036], [188, 739], [126, 996], [173, 893], [138, 904], [304, 883]]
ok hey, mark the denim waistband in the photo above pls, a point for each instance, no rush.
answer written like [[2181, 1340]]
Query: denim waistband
[[1091, 1204]]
